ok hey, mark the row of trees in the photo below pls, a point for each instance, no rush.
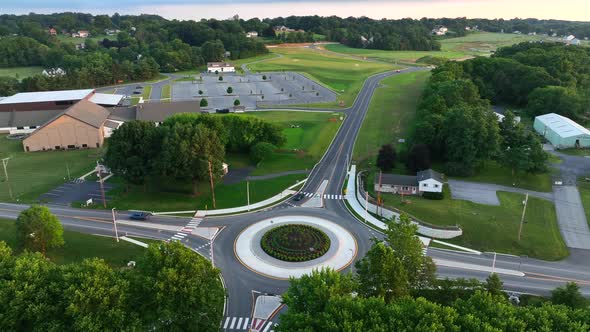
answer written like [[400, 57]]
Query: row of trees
[[185, 146], [39, 295], [394, 289], [460, 128]]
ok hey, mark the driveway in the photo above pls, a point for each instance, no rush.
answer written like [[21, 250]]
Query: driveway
[[485, 193], [571, 217]]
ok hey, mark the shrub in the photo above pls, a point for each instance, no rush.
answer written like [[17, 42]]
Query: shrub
[[237, 102], [221, 78], [230, 89], [204, 102], [433, 196]]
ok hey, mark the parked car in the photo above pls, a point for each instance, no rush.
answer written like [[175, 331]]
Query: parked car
[[139, 215], [222, 110], [136, 92], [398, 71]]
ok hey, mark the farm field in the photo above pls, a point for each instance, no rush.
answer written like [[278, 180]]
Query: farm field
[[390, 115], [20, 72], [79, 246], [481, 43], [34, 173], [492, 228], [342, 74]]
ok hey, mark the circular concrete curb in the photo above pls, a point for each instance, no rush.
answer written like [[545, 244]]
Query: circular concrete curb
[[343, 248]]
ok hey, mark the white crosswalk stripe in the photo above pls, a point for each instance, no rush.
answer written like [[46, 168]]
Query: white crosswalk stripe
[[244, 324]]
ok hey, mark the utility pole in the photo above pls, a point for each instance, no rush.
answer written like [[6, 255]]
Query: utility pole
[[68, 170], [211, 181], [248, 191], [104, 201], [494, 264], [115, 224], [4, 163], [526, 199], [379, 196]]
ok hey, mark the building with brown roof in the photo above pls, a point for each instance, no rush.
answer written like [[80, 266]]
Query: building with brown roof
[[79, 126]]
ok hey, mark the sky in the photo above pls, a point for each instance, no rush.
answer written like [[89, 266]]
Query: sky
[[574, 10]]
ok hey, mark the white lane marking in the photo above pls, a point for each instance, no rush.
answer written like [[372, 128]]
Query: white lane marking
[[246, 323], [267, 327], [239, 323], [233, 322], [181, 234], [226, 322]]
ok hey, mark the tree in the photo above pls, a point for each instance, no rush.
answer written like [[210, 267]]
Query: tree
[[204, 102], [132, 150], [229, 90], [418, 158], [555, 99], [494, 284], [401, 236], [187, 150], [213, 50], [386, 157], [261, 151], [8, 86], [37, 229], [381, 274], [264, 77], [237, 102], [200, 92], [569, 295], [220, 78], [176, 290]]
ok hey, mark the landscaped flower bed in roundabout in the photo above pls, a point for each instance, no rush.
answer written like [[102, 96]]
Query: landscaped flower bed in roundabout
[[295, 243]]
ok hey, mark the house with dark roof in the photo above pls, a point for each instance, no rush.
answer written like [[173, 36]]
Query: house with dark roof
[[79, 126], [424, 181]]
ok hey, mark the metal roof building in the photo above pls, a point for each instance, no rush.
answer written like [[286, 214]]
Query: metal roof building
[[562, 132]]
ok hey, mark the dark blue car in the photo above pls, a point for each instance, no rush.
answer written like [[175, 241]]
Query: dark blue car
[[139, 215]]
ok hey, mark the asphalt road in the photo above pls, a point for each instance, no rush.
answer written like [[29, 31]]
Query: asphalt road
[[540, 276]]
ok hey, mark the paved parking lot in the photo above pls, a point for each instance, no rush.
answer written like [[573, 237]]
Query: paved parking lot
[[278, 89], [76, 191]]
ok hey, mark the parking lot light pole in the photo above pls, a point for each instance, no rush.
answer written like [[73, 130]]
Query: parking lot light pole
[[115, 224]]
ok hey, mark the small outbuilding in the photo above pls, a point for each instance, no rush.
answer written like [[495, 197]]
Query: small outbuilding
[[562, 132]]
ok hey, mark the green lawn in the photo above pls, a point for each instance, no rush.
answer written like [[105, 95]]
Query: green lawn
[[342, 74], [20, 72], [306, 142], [177, 196], [483, 43], [79, 246], [391, 113], [576, 152], [479, 43], [494, 173], [392, 56], [584, 187], [147, 92], [34, 173], [493, 228], [166, 92], [69, 39]]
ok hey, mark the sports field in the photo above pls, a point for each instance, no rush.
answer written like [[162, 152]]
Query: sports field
[[342, 74]]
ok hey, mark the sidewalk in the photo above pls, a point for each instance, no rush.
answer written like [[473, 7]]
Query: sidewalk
[[358, 205]]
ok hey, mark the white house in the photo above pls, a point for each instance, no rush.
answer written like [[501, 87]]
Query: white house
[[429, 181], [424, 181], [440, 30], [570, 38], [251, 34], [54, 72], [220, 67]]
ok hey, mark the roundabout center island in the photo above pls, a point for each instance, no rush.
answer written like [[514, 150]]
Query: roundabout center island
[[290, 246]]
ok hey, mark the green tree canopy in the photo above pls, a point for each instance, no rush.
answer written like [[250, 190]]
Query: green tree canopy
[[37, 229]]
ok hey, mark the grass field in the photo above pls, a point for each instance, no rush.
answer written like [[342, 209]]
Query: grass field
[[166, 92], [481, 43], [147, 92], [342, 74], [494, 173], [79, 246], [391, 113], [306, 142], [20, 72], [34, 173], [177, 196], [69, 39], [493, 228], [584, 187]]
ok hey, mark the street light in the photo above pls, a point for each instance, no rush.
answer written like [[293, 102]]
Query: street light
[[494, 264], [351, 258]]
